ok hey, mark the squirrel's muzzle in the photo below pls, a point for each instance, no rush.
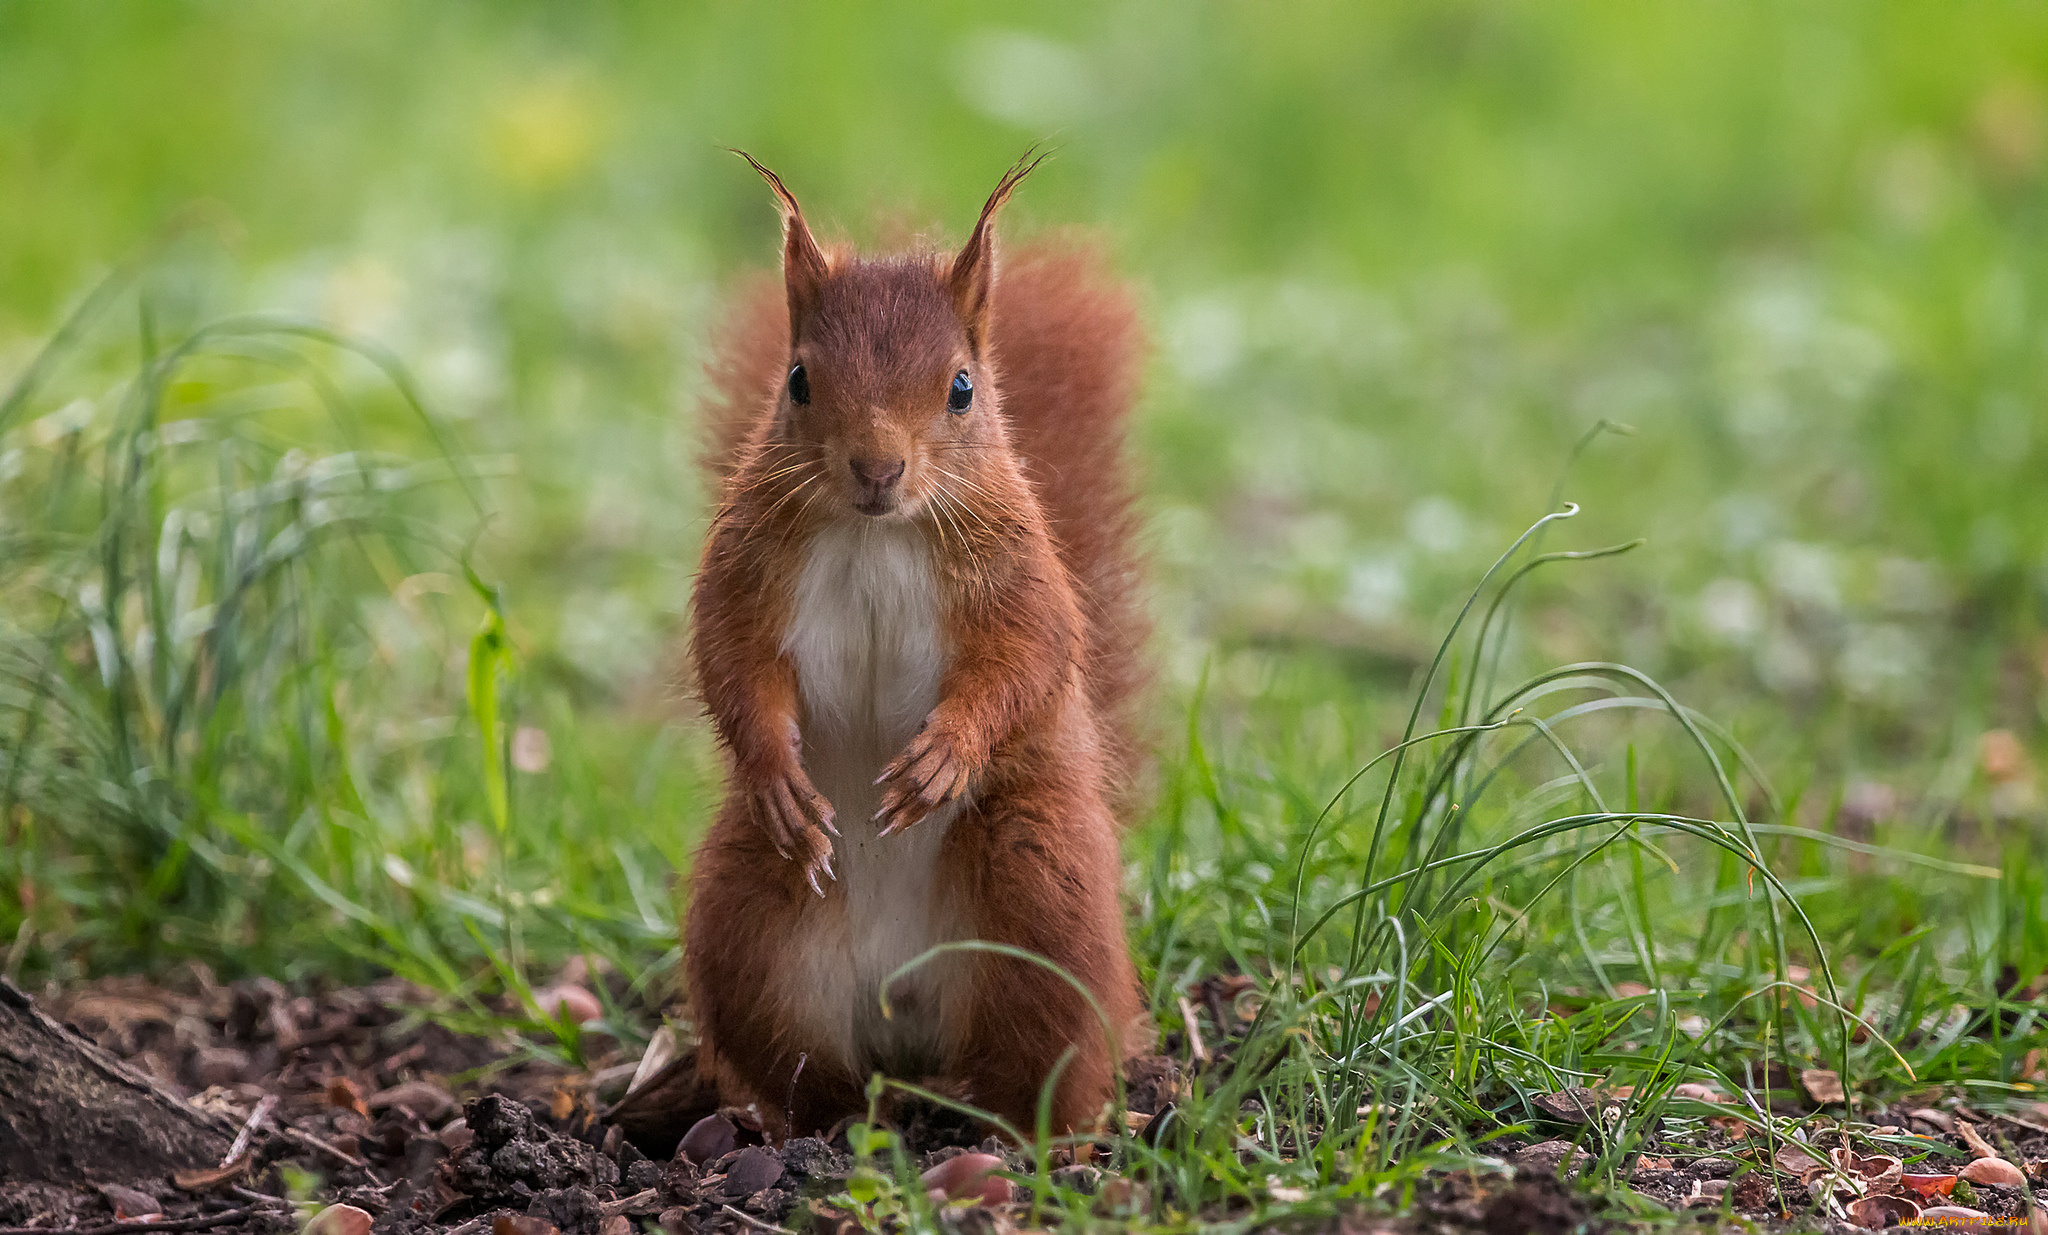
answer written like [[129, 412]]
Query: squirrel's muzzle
[[875, 483]]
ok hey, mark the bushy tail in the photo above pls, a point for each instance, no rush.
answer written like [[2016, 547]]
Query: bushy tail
[[746, 370], [1068, 347]]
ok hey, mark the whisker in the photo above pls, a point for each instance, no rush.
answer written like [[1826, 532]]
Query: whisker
[[765, 447], [784, 471], [952, 507], [796, 522], [968, 507], [944, 507], [937, 526], [954, 476], [768, 515]]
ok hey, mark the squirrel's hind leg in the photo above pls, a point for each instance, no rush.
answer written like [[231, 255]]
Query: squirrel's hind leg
[[1046, 869], [745, 903]]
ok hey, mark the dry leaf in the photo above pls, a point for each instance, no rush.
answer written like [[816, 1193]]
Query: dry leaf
[[1736, 1129], [207, 1178], [423, 1098], [662, 1046], [344, 1094], [708, 1140], [1822, 1085], [753, 1169], [129, 1204], [1795, 1159], [1928, 1115], [1975, 1140]]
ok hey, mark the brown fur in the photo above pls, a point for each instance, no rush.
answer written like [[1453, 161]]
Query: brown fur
[[1024, 506]]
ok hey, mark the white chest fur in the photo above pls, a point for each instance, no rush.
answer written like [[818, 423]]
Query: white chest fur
[[868, 643]]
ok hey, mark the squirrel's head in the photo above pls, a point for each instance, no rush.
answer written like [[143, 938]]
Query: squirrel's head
[[889, 395]]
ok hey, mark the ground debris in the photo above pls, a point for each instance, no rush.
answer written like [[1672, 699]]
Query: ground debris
[[422, 1131]]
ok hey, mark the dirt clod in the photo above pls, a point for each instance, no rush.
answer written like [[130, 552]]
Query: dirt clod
[[514, 1157], [1535, 1206], [1546, 1157]]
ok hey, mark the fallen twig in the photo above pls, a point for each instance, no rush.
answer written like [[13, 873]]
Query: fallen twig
[[1195, 1046], [259, 1198], [248, 1132], [310, 1141], [756, 1223], [199, 1223], [649, 1200]]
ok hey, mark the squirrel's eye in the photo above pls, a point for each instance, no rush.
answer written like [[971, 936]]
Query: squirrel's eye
[[799, 386], [961, 394]]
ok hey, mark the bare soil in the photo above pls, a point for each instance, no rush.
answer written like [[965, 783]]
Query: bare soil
[[365, 1099]]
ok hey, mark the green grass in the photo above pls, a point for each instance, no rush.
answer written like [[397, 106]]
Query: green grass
[[367, 476]]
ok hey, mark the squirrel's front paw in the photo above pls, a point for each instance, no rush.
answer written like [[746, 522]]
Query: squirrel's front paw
[[797, 817], [931, 771]]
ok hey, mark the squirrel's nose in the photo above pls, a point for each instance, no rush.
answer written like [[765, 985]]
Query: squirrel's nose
[[877, 473]]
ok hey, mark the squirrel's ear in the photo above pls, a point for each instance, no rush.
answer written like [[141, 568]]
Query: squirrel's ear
[[974, 268], [803, 263]]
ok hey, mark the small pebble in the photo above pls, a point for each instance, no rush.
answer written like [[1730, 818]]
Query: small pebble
[[580, 1005], [457, 1136], [967, 1176], [338, 1220], [1993, 1171]]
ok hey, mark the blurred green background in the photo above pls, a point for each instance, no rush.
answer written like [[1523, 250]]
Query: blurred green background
[[1397, 258]]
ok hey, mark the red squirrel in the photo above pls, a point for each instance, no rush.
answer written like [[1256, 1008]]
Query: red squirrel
[[917, 631]]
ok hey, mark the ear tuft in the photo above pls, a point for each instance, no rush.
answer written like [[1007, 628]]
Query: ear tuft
[[973, 272], [804, 267]]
